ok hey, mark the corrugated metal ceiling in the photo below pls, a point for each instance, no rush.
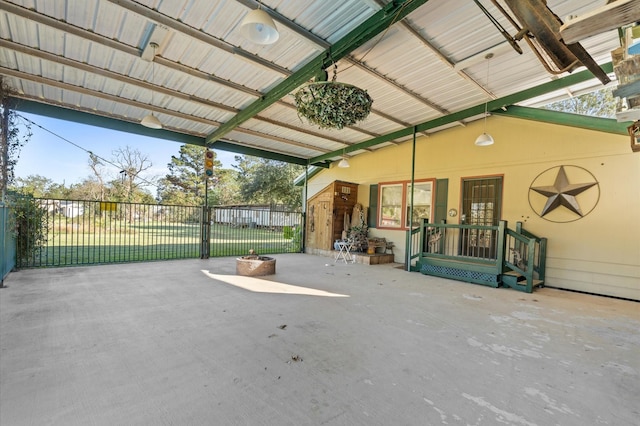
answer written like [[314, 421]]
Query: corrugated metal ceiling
[[87, 55]]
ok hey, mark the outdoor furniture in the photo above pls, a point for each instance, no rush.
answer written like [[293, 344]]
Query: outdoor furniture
[[380, 243], [344, 252]]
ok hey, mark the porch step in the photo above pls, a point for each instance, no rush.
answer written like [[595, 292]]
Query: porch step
[[538, 283], [512, 278]]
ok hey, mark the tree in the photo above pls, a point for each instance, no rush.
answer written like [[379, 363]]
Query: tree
[[225, 189], [268, 181], [96, 165], [185, 185], [39, 186], [14, 134], [88, 189], [131, 163], [595, 104]]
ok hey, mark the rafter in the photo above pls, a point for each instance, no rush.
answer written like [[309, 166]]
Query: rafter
[[119, 46], [145, 106], [90, 117], [124, 48], [149, 86], [607, 125], [308, 35], [377, 23], [470, 112], [208, 39]]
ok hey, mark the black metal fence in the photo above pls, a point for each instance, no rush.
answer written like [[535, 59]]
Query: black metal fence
[[92, 232]]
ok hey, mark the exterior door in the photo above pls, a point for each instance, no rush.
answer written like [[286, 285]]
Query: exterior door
[[323, 226], [481, 205]]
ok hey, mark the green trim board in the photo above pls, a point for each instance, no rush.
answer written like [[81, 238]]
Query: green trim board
[[372, 212], [377, 23], [494, 105], [240, 149], [607, 125]]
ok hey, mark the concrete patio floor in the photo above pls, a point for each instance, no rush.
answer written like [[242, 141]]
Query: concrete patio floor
[[190, 343]]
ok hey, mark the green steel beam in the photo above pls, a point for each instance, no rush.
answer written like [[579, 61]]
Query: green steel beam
[[240, 149], [607, 125], [62, 113], [469, 112], [392, 12]]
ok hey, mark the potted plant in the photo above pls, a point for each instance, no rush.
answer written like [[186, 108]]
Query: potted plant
[[332, 105], [358, 237]]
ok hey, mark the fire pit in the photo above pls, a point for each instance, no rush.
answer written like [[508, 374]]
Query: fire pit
[[255, 266]]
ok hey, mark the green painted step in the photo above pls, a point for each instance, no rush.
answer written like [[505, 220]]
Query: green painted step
[[512, 278]]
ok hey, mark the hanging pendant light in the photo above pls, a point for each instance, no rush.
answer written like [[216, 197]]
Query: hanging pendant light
[[258, 27], [485, 139], [150, 120], [344, 163]]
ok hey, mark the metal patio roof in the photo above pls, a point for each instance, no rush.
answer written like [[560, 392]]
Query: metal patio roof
[[89, 60]]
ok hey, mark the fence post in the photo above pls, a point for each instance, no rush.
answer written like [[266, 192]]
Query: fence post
[[205, 247]]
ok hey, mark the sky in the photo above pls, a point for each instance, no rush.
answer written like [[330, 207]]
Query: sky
[[51, 152]]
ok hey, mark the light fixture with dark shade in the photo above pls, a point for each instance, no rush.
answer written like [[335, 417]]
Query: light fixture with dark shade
[[150, 120], [485, 139], [258, 27]]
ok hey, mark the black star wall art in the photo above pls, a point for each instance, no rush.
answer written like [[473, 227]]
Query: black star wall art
[[553, 191]]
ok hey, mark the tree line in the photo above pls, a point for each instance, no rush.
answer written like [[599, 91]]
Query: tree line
[[251, 180]]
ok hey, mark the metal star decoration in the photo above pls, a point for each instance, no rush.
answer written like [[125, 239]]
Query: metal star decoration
[[562, 193]]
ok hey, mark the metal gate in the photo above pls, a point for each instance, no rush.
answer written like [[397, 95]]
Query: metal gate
[[81, 232]]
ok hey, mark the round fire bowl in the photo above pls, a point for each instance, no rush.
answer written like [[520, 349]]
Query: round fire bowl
[[255, 266]]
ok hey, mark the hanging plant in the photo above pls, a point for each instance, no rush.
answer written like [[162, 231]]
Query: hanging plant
[[332, 105]]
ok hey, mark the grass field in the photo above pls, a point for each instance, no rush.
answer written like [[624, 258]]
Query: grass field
[[77, 243]]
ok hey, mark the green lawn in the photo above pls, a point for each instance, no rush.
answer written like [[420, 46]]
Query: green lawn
[[80, 244]]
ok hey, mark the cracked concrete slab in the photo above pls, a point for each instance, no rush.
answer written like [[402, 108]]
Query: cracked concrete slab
[[190, 343]]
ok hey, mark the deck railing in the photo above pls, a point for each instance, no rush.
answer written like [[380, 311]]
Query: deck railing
[[525, 255], [478, 253]]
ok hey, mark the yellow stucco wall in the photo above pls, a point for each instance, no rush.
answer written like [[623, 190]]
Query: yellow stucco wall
[[599, 253]]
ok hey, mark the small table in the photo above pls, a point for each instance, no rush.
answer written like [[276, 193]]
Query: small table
[[344, 252]]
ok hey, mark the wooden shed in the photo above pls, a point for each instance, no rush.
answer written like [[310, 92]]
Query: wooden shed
[[326, 212]]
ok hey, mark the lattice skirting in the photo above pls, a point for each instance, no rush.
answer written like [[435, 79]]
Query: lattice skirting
[[460, 274]]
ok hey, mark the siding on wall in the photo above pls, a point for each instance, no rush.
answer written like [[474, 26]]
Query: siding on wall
[[598, 253]]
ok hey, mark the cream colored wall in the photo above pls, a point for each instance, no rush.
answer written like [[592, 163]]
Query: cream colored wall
[[600, 253]]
